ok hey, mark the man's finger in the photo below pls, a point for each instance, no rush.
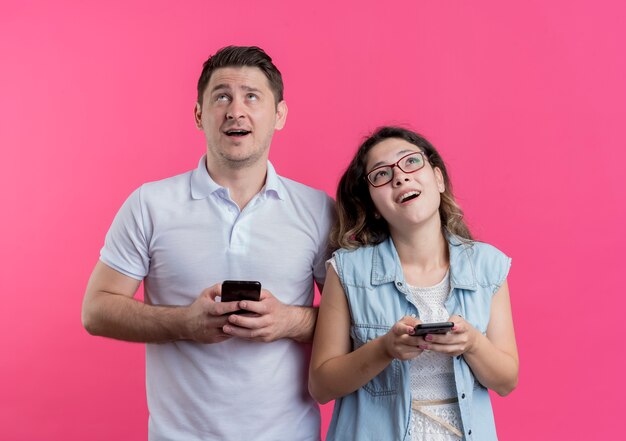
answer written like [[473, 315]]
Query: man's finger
[[265, 294], [221, 308], [254, 322], [212, 292], [252, 306]]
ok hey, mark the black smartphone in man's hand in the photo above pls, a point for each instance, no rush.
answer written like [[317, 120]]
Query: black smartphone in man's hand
[[236, 290], [433, 328]]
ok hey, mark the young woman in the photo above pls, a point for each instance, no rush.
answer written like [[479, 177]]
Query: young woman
[[407, 258]]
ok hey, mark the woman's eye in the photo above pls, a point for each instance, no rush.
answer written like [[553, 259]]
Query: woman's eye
[[413, 161], [381, 174]]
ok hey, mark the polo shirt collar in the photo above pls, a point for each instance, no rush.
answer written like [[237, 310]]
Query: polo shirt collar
[[273, 185], [202, 185]]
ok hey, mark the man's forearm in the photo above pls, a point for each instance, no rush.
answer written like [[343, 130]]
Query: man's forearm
[[124, 318], [303, 325]]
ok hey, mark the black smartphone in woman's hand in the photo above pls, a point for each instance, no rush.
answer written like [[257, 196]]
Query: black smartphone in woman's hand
[[433, 328]]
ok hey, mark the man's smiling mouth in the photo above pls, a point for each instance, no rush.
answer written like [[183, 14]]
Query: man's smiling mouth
[[237, 132]]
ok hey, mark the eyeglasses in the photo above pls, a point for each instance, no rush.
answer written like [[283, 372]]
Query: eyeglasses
[[383, 174]]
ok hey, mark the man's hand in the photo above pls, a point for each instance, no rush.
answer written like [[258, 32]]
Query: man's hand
[[205, 317], [269, 320], [109, 310]]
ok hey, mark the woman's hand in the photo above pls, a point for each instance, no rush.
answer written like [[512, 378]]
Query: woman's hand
[[491, 356], [461, 339], [400, 342]]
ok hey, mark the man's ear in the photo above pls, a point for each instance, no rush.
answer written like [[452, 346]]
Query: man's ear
[[281, 115], [197, 115]]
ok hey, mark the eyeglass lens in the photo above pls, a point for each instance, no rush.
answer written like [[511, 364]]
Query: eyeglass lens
[[408, 164]]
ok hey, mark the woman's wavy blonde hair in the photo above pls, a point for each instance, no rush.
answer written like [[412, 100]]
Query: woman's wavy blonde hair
[[356, 224]]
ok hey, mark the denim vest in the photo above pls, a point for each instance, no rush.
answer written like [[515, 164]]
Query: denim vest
[[374, 285]]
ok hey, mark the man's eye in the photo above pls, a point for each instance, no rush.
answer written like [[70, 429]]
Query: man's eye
[[252, 97], [221, 97]]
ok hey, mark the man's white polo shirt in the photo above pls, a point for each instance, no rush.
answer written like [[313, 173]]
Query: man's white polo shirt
[[184, 234]]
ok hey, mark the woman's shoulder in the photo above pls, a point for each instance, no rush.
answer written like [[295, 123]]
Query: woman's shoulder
[[488, 264], [486, 250], [474, 248], [355, 261], [354, 253]]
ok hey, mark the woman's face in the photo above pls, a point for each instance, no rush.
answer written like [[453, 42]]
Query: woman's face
[[409, 199]]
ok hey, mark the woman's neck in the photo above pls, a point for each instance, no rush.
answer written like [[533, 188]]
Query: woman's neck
[[423, 253]]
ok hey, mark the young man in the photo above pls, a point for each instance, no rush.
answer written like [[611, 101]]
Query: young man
[[213, 375]]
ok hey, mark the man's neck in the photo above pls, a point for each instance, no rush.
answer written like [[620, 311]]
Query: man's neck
[[242, 183]]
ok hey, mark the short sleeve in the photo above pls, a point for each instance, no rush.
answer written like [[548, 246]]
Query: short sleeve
[[126, 246], [496, 266], [332, 262], [505, 266]]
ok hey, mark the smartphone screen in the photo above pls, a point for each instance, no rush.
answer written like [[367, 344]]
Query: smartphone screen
[[433, 328], [236, 290]]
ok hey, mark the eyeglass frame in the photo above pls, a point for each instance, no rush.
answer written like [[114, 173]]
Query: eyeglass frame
[[396, 164]]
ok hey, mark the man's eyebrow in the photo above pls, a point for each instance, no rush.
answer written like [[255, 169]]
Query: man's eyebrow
[[251, 89], [400, 153], [227, 87], [220, 87]]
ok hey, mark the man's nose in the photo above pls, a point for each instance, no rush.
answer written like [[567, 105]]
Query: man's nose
[[235, 110]]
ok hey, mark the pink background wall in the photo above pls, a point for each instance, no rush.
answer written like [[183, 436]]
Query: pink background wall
[[524, 101]]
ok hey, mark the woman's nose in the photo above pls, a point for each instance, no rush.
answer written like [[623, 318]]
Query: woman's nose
[[399, 178]]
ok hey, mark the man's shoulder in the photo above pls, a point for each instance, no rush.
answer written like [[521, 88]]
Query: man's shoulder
[[163, 189], [300, 190], [181, 179]]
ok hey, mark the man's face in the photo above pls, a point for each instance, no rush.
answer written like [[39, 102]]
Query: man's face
[[238, 117]]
